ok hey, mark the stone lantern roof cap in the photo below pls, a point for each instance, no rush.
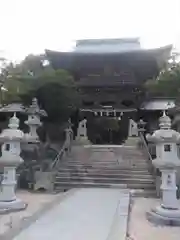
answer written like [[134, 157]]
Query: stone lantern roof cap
[[165, 133], [12, 133], [162, 135], [13, 107], [164, 121]]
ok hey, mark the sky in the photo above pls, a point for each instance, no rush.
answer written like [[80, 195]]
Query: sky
[[30, 26]]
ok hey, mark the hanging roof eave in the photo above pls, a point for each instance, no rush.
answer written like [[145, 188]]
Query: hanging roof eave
[[160, 55]]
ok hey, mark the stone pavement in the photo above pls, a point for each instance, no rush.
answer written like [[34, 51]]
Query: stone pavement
[[75, 215], [85, 214], [141, 229], [37, 203]]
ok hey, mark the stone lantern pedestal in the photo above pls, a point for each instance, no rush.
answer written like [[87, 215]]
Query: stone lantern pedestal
[[167, 161], [9, 160]]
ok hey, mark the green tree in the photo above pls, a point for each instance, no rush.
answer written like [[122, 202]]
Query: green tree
[[55, 90], [32, 65], [167, 84]]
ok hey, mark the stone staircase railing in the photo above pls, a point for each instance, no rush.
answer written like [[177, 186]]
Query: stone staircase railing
[[66, 148], [145, 148], [55, 164], [45, 179], [155, 172]]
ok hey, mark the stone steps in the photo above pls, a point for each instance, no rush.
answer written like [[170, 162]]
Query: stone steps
[[109, 176], [102, 173], [106, 163], [69, 185], [125, 180], [117, 161], [104, 167], [123, 167], [106, 171]]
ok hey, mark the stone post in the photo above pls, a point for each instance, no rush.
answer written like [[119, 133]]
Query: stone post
[[167, 161], [69, 138], [141, 126], [9, 160], [82, 132], [141, 129], [133, 128]]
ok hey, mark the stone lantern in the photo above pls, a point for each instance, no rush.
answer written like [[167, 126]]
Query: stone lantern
[[34, 114], [167, 162], [9, 160], [141, 126]]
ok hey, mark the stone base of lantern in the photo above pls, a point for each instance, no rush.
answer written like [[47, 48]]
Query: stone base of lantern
[[132, 141], [164, 216], [12, 206], [82, 141]]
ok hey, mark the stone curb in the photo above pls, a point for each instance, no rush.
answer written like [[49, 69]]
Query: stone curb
[[119, 225]]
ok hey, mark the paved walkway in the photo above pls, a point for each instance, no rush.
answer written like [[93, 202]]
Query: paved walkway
[[12, 223], [141, 229], [86, 214]]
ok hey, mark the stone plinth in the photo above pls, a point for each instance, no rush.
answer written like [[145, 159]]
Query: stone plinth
[[44, 180]]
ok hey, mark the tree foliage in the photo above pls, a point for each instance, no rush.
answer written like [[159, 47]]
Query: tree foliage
[[167, 84], [55, 90]]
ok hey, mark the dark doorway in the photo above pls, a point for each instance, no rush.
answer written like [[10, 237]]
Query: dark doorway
[[108, 130]]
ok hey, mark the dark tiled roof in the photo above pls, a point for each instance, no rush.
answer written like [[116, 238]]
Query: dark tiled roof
[[144, 64]]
